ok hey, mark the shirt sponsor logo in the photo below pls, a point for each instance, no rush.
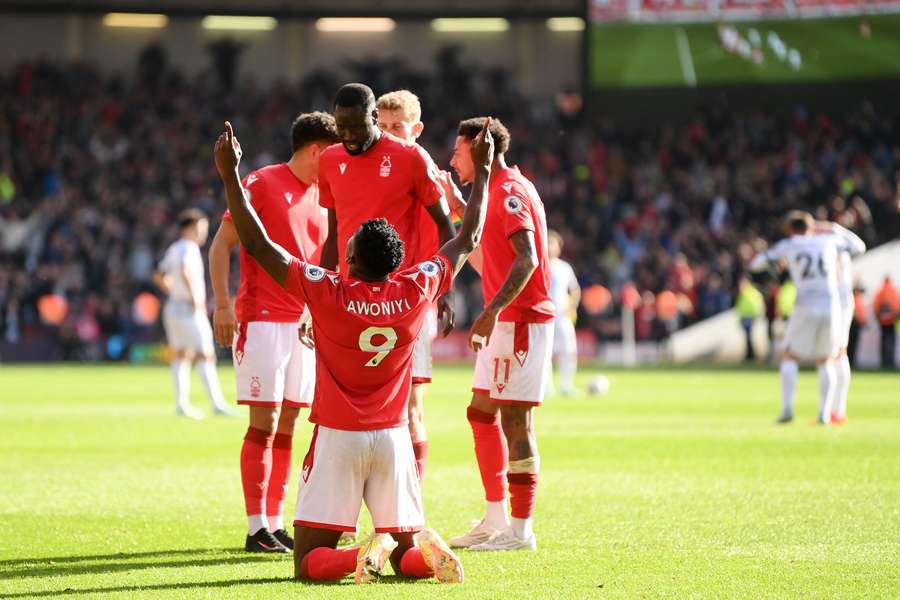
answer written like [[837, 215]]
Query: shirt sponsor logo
[[343, 168], [314, 273], [512, 204], [378, 309], [385, 169]]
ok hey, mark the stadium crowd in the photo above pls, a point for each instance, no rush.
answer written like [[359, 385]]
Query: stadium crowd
[[94, 169]]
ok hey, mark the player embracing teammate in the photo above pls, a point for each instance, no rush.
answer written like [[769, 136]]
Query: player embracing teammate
[[811, 252]]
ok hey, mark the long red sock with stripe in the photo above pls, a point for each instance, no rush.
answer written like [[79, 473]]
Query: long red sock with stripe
[[420, 450], [256, 466], [491, 451], [412, 564], [328, 564], [282, 446]]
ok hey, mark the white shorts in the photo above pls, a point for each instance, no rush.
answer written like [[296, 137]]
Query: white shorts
[[421, 359], [187, 329], [813, 335], [271, 365], [514, 368], [343, 468], [564, 341]]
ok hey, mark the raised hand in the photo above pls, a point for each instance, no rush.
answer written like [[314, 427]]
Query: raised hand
[[483, 147], [228, 151]]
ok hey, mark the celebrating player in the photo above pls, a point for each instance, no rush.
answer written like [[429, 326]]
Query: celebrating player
[[275, 373], [514, 337], [366, 323], [814, 328], [566, 294], [400, 114], [180, 276]]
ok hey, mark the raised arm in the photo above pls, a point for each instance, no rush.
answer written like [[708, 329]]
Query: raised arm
[[459, 247], [274, 259], [329, 258]]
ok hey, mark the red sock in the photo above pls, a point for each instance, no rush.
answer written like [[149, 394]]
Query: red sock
[[328, 564], [413, 564], [420, 449], [281, 474], [491, 452], [256, 465], [522, 490]]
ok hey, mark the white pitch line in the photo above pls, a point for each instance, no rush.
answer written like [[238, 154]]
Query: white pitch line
[[684, 56]]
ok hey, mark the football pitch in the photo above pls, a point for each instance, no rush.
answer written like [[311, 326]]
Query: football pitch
[[674, 485], [636, 55]]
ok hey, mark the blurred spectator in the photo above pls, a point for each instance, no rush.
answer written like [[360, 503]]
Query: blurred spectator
[[860, 320], [886, 307], [750, 306]]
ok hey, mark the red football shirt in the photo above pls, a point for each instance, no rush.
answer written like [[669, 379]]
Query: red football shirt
[[513, 206], [365, 334], [289, 210], [392, 179]]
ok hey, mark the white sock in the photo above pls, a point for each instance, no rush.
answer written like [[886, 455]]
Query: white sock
[[523, 528], [276, 522], [568, 364], [827, 376], [255, 523], [843, 386], [497, 514], [210, 379], [789, 371], [181, 377]]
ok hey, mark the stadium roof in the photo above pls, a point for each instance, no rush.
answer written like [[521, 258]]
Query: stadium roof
[[310, 8]]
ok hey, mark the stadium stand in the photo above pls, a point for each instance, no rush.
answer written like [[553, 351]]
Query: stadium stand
[[94, 168]]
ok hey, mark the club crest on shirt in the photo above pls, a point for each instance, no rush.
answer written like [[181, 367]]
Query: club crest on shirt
[[512, 204], [289, 197], [314, 273], [430, 268], [342, 167], [385, 169]]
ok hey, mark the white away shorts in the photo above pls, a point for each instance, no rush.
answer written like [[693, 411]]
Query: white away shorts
[[343, 468], [271, 366], [514, 368], [187, 329], [813, 335]]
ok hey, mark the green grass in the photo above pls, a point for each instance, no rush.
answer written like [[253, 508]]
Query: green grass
[[675, 485], [633, 55]]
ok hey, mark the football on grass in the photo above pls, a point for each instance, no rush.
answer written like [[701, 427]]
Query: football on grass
[[598, 386]]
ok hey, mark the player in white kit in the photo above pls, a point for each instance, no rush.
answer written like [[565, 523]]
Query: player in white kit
[[180, 275], [814, 329], [842, 364], [566, 294]]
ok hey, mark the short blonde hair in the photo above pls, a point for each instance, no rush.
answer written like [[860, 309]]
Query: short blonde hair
[[404, 101]]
